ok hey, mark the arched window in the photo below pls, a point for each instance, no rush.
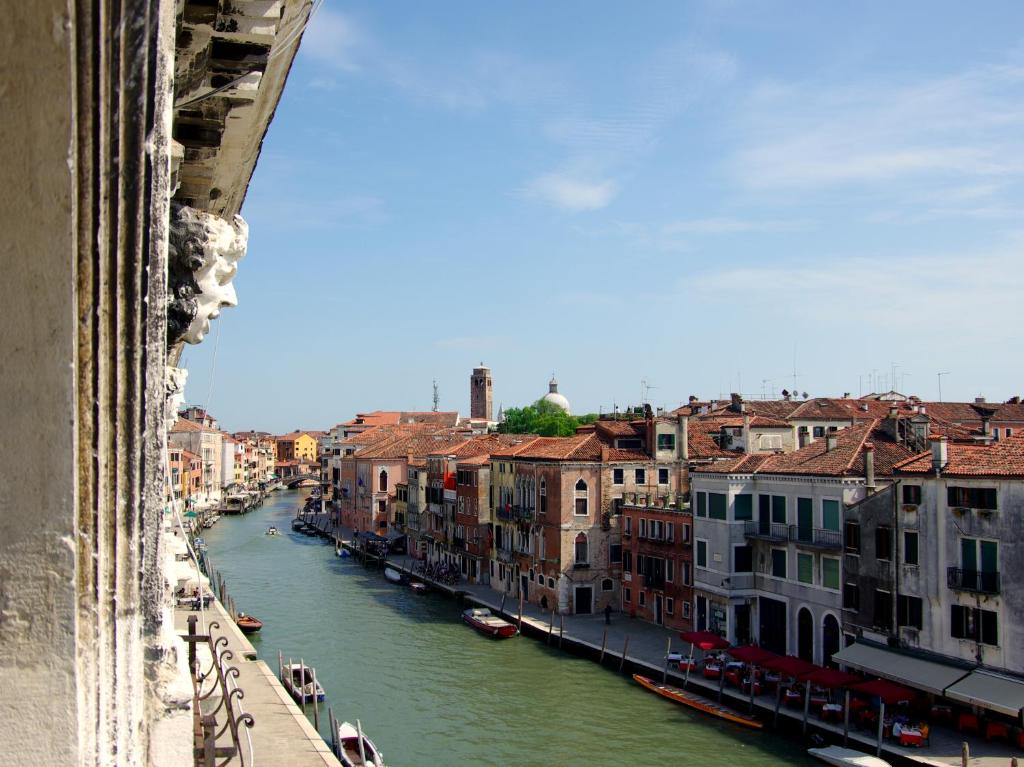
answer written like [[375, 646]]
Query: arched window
[[582, 549], [543, 502], [383, 480], [805, 635], [606, 584], [829, 640], [581, 499]]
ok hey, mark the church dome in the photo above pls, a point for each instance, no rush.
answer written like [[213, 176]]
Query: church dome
[[554, 397]]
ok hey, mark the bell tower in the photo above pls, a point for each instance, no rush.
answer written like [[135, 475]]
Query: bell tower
[[480, 393]]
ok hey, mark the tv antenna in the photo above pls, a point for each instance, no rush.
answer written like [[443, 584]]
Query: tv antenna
[[645, 389]]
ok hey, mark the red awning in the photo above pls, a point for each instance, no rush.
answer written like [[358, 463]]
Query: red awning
[[752, 654], [831, 678], [889, 692], [705, 640], [790, 665]]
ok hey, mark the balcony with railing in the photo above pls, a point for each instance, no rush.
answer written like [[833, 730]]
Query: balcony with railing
[[458, 543], [503, 513], [816, 538], [524, 513], [766, 531], [976, 581]]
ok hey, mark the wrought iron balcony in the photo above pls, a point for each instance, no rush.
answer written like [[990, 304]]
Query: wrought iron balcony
[[774, 531], [523, 513], [503, 513], [654, 581], [978, 581], [815, 537]]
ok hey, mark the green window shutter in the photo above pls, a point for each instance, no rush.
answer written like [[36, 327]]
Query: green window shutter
[[969, 554], [702, 504], [804, 518], [702, 554], [805, 568], [830, 515], [779, 563], [830, 573], [989, 556], [744, 507], [779, 509], [716, 505]]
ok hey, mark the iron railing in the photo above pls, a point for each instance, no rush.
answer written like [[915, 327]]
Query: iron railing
[[216, 710], [978, 581], [816, 537]]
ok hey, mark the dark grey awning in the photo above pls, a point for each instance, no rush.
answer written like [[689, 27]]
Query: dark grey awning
[[991, 691], [906, 669]]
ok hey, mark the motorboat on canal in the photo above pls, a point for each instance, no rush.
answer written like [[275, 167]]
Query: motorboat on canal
[[698, 702], [488, 624], [354, 749], [300, 683], [846, 757], [392, 575], [249, 624], [272, 530], [418, 587], [298, 523]]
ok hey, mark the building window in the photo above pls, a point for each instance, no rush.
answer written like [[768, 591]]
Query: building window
[[641, 598], [743, 559], [582, 549], [716, 505], [643, 527], [883, 542], [666, 442], [670, 606], [975, 624], [662, 476], [616, 476], [819, 431], [702, 553], [551, 583], [581, 498], [805, 568], [627, 561], [702, 504], [627, 595], [615, 553], [830, 573], [639, 476], [779, 509], [606, 584], [687, 574], [910, 611], [686, 609], [852, 537], [912, 494], [883, 609], [779, 563], [686, 533], [972, 497], [910, 547], [830, 514], [851, 596], [627, 528], [743, 507]]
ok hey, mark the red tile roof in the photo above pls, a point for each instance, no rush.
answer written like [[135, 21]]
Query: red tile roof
[[1000, 459], [743, 464]]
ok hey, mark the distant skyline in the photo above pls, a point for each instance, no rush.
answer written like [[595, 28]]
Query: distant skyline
[[693, 195]]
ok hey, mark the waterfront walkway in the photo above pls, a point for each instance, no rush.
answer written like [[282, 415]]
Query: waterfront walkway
[[645, 653]]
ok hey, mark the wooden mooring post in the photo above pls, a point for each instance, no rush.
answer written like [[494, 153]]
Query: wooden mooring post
[[501, 609], [604, 643], [625, 649], [316, 703], [551, 627], [520, 611], [561, 629], [280, 667], [664, 672]]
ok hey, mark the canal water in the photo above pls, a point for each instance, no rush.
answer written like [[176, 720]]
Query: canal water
[[430, 691]]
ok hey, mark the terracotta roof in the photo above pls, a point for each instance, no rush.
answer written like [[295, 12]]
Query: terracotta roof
[[699, 442], [743, 464], [1000, 459], [756, 421], [620, 428], [579, 447], [294, 435], [838, 409], [617, 455], [182, 425], [971, 412], [417, 444]]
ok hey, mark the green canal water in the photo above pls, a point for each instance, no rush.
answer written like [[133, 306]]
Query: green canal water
[[430, 691]]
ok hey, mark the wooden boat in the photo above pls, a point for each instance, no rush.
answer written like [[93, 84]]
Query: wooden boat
[[846, 757], [490, 625], [418, 587], [298, 523], [354, 749], [298, 681], [698, 702], [392, 575], [249, 624]]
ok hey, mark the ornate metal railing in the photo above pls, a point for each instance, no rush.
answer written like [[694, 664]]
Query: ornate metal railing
[[216, 712]]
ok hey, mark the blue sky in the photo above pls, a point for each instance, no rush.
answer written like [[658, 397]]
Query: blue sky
[[691, 194]]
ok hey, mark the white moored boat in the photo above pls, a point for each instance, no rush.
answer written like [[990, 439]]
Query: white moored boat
[[846, 757], [354, 749], [392, 575]]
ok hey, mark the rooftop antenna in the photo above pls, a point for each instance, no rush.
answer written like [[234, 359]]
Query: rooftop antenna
[[645, 389], [437, 396], [795, 374], [943, 373]]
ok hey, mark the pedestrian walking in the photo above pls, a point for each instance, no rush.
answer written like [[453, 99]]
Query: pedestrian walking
[[607, 615]]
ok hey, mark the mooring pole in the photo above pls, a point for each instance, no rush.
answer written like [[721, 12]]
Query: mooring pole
[[625, 649], [561, 629], [668, 651], [551, 627], [604, 642], [316, 703]]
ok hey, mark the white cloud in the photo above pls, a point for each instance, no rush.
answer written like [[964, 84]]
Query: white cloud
[[730, 225], [571, 193], [810, 135], [334, 40]]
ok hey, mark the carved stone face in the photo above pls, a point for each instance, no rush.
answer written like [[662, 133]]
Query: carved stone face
[[203, 256]]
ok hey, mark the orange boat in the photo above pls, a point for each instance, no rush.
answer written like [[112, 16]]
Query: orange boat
[[698, 702]]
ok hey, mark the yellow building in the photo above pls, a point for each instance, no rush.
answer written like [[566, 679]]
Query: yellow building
[[296, 446]]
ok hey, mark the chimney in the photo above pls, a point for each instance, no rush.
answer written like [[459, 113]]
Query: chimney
[[869, 466], [683, 437], [894, 412], [605, 454], [940, 452], [922, 409], [831, 441], [986, 424], [979, 400], [736, 404], [746, 433]]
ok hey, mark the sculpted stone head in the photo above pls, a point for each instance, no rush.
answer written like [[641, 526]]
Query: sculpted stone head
[[203, 256]]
